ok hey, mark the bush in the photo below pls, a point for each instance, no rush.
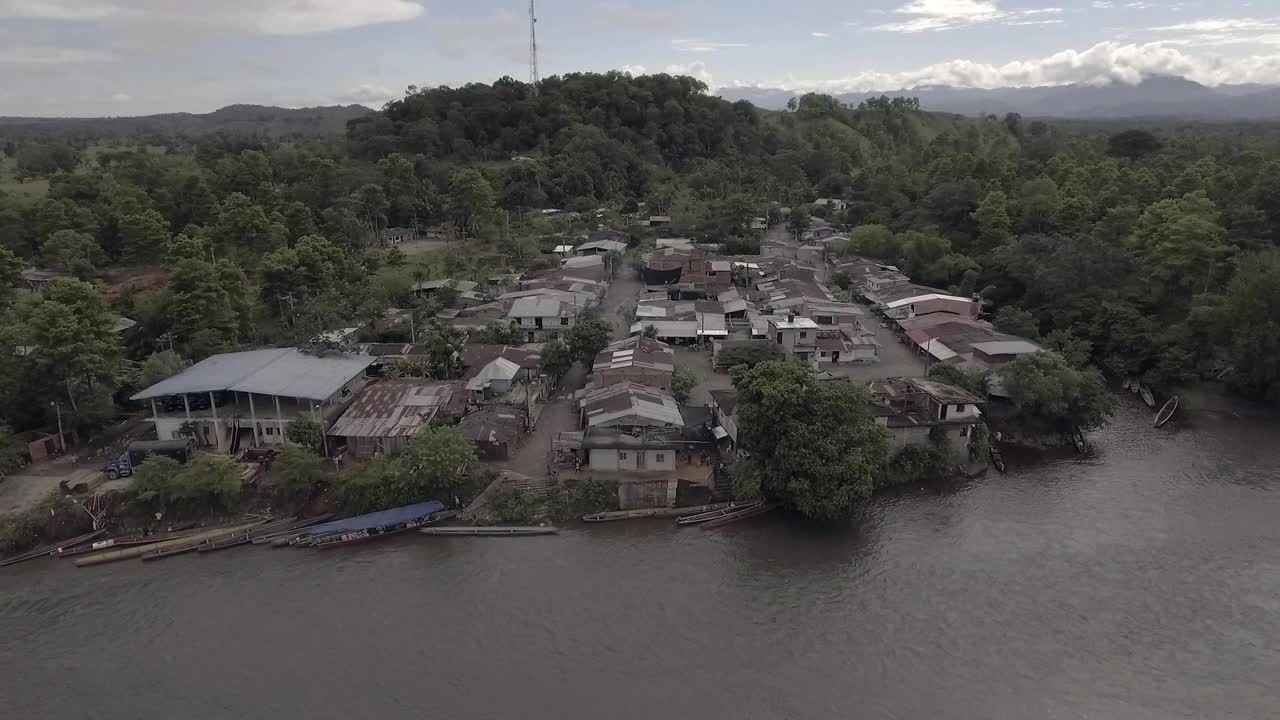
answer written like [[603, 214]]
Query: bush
[[576, 498], [305, 432], [509, 505], [682, 382], [295, 475], [209, 483], [917, 464]]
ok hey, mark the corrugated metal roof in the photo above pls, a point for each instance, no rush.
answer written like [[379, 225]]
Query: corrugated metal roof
[[392, 408], [285, 372], [500, 369], [610, 404], [1007, 347], [536, 306], [922, 298]]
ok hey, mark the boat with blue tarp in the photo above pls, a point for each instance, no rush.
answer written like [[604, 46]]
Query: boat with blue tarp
[[364, 527]]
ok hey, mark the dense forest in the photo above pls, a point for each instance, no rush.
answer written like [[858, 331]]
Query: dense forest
[[1147, 253]]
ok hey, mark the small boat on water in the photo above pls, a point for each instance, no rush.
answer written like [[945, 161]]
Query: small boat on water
[[1166, 412], [128, 553], [741, 514], [1147, 397], [355, 536], [123, 542], [53, 549], [266, 531], [708, 516], [362, 527], [660, 512], [195, 544], [494, 531]]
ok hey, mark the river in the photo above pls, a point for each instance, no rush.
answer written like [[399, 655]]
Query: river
[[1143, 582]]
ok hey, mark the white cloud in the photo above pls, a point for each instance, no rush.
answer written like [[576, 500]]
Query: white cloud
[[696, 69], [634, 69], [1222, 31], [820, 34], [1103, 4], [703, 46], [1101, 64], [266, 17], [52, 56], [1222, 25], [369, 94], [935, 15]]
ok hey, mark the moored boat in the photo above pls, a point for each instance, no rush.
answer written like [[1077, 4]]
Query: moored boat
[[364, 526], [716, 514], [660, 512], [1147, 397], [355, 536], [52, 549], [493, 531], [123, 542], [129, 553], [1166, 412], [268, 531], [740, 514]]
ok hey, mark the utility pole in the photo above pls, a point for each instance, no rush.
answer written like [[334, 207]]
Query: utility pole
[[62, 440], [533, 48]]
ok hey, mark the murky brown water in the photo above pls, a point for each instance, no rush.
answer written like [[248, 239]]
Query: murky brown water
[[1141, 583]]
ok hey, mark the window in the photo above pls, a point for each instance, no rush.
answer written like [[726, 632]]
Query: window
[[564, 321], [660, 457], [779, 338], [622, 455], [803, 334]]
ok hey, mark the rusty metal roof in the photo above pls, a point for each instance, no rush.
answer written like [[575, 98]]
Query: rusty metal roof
[[393, 408]]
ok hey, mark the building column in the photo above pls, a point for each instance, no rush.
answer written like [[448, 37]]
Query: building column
[[279, 419], [217, 430], [253, 417]]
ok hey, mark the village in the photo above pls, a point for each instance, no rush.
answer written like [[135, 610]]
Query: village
[[653, 414]]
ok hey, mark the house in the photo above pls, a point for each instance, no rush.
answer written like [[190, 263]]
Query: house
[[541, 317], [844, 345], [600, 247], [40, 279], [494, 379], [832, 203], [582, 261], [428, 288], [724, 407], [796, 337], [387, 413], [495, 429], [759, 223], [684, 332], [997, 353], [232, 398], [920, 411], [562, 251], [396, 235], [636, 359], [474, 356], [663, 243], [631, 406], [924, 304], [659, 220]]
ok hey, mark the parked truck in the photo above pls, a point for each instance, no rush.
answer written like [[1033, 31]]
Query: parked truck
[[122, 465]]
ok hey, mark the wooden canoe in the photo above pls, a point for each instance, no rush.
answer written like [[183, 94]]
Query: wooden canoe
[[1166, 412], [129, 553], [659, 512], [717, 514], [494, 531], [1147, 397], [52, 549], [265, 533], [741, 514]]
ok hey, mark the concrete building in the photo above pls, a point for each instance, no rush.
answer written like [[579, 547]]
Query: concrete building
[[920, 411], [795, 337], [541, 317], [927, 303], [233, 398], [635, 359]]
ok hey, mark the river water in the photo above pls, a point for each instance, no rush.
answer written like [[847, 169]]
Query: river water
[[1143, 582]]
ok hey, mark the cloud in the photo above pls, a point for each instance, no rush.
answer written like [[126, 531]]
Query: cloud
[[936, 15], [696, 69], [121, 97], [820, 34], [625, 16], [1222, 31], [1104, 4], [1222, 25], [634, 69], [1101, 64], [263, 17], [367, 94], [703, 46], [52, 56]]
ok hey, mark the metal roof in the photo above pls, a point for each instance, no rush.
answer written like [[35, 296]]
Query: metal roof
[[536, 306], [285, 372], [582, 261], [632, 403], [1007, 347], [669, 328], [922, 298], [800, 323], [606, 245], [393, 408], [499, 369], [636, 351], [459, 285]]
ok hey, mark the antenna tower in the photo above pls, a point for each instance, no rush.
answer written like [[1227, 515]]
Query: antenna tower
[[533, 47]]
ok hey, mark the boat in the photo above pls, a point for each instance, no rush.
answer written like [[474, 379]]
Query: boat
[[194, 544], [659, 512], [52, 549], [270, 530], [494, 531], [716, 514], [740, 514], [1145, 393], [1166, 412], [128, 553], [355, 536], [382, 521], [124, 542]]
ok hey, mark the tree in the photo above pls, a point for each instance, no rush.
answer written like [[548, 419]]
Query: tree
[[72, 252], [75, 346], [1249, 325], [588, 336], [1016, 321], [10, 272], [295, 474], [1049, 393], [798, 221], [557, 358], [154, 480], [1040, 202], [1132, 144], [11, 451], [209, 483], [1179, 239], [682, 383], [436, 465], [470, 200], [206, 312], [992, 217], [811, 444], [875, 241], [160, 366], [975, 381], [143, 236], [305, 432]]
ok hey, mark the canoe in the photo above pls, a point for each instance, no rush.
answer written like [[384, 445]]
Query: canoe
[[716, 514], [659, 512], [124, 542], [355, 536], [1166, 412], [488, 531], [265, 533], [52, 549], [129, 553], [1147, 397], [193, 544], [740, 514]]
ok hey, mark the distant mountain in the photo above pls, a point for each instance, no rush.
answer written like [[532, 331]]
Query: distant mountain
[[1157, 97], [257, 119]]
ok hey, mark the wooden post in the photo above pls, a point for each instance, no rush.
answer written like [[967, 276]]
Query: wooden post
[[253, 417], [217, 431], [279, 420]]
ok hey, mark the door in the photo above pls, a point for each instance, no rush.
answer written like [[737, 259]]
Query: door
[[642, 460]]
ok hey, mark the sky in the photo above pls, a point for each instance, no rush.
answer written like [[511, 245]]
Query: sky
[[136, 57]]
